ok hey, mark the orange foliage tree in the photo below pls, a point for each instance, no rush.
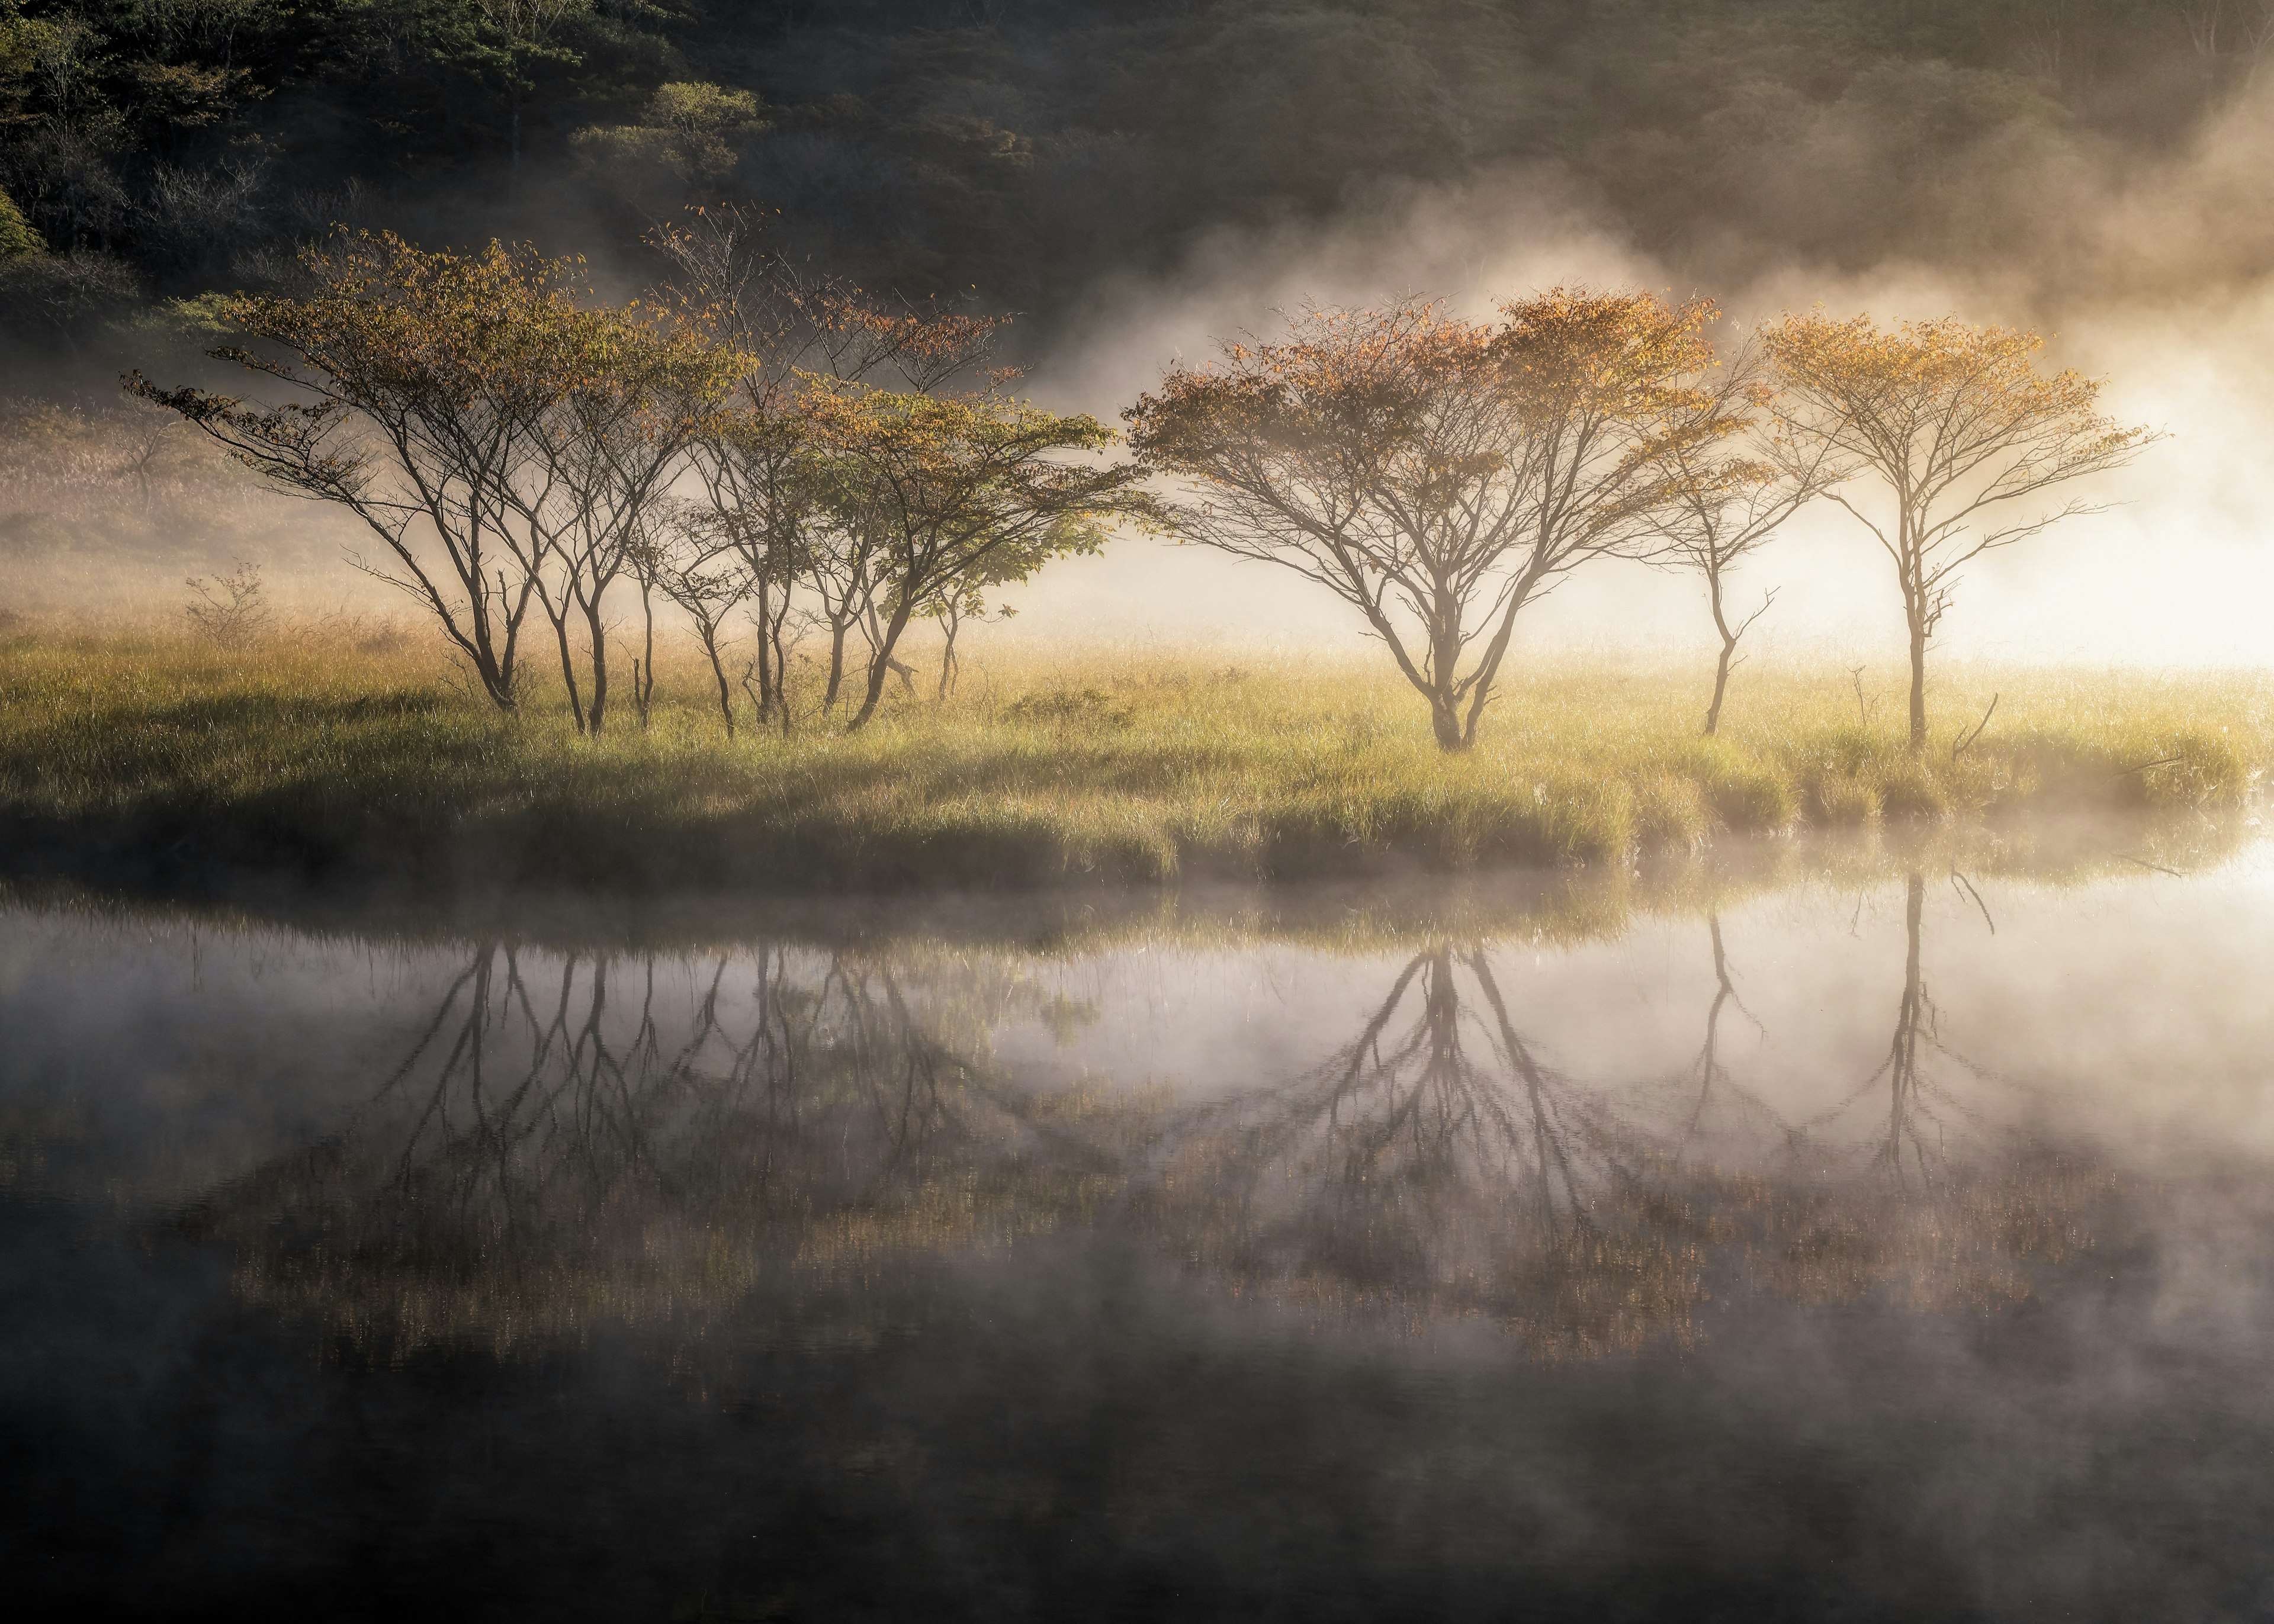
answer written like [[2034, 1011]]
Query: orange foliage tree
[[952, 487], [790, 517], [1436, 473], [497, 434], [1958, 424]]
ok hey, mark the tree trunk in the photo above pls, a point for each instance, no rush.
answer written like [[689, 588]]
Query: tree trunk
[[598, 710], [1489, 667], [1445, 720], [1729, 648], [766, 650], [1918, 685], [880, 666], [1721, 686], [708, 631], [568, 666], [503, 662], [643, 679], [773, 639], [951, 623], [837, 630]]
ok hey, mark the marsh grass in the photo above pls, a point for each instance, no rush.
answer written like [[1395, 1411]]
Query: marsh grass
[[340, 750]]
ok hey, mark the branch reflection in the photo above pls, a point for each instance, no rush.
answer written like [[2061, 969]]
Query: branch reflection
[[787, 1134]]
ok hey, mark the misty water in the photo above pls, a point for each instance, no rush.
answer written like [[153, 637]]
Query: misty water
[[1861, 1235]]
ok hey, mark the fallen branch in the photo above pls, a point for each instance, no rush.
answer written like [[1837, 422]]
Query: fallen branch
[[2164, 761], [1966, 738]]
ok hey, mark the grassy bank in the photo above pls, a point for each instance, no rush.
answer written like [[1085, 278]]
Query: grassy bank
[[331, 755]]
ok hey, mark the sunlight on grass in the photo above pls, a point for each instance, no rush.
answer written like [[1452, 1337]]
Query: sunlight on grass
[[321, 747]]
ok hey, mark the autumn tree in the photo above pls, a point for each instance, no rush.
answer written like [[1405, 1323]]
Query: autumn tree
[[1729, 490], [623, 396], [966, 599], [501, 436], [800, 515], [1437, 474], [411, 380], [1963, 432], [954, 483]]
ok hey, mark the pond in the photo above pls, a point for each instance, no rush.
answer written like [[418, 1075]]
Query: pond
[[1852, 1231]]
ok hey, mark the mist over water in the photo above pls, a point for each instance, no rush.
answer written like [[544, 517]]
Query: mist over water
[[1890, 1237], [1872, 1225]]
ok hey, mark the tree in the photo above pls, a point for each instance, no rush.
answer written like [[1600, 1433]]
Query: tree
[[17, 236], [1436, 473], [705, 575], [800, 515], [967, 599], [621, 394], [954, 485], [2228, 32], [1958, 423], [63, 294], [686, 136], [528, 32], [1725, 500], [418, 377]]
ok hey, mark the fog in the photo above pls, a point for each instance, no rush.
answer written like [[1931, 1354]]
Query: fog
[[2148, 258], [2157, 275]]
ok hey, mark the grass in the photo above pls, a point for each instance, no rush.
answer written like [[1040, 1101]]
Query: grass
[[347, 755]]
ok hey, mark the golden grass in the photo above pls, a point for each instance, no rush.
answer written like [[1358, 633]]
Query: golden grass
[[338, 750]]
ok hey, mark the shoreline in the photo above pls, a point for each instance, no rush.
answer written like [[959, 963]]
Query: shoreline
[[166, 767]]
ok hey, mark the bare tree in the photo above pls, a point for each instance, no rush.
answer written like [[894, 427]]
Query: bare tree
[[1434, 473], [1958, 425], [707, 578], [2228, 34], [1729, 490], [231, 609]]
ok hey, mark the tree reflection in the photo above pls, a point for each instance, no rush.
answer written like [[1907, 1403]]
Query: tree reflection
[[1936, 1200], [1436, 1166], [569, 1142], [555, 1150]]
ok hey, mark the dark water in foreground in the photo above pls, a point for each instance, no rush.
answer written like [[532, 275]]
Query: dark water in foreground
[[1889, 1242]]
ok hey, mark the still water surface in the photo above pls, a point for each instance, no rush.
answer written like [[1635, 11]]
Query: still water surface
[[1886, 1239]]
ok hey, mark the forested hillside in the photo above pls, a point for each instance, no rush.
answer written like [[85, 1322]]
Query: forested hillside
[[159, 147]]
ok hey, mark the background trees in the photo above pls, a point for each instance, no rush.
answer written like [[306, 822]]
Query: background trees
[[1026, 149], [1958, 425], [1436, 474]]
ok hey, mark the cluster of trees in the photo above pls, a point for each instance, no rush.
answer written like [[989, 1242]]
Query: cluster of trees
[[1439, 474], [725, 447], [1025, 147], [515, 445]]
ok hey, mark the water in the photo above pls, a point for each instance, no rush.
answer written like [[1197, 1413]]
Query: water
[[1858, 1235]]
